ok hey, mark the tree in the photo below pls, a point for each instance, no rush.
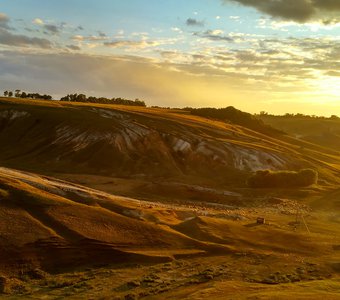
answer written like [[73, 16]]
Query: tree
[[81, 98], [65, 98], [17, 93], [23, 95], [6, 93], [10, 94]]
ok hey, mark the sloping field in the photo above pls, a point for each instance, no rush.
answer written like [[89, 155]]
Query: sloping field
[[324, 132], [187, 226], [50, 225], [40, 216]]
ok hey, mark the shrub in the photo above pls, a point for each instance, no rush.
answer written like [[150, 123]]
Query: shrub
[[271, 179]]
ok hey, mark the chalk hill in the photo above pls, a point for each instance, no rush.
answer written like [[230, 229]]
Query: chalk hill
[[145, 142]]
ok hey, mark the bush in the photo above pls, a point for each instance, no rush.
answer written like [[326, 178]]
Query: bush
[[271, 179]]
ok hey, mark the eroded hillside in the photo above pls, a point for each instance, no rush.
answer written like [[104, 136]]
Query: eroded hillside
[[144, 142]]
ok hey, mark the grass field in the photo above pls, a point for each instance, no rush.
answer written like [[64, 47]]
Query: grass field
[[61, 239]]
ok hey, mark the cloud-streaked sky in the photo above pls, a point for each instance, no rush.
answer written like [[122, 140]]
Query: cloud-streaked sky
[[257, 55]]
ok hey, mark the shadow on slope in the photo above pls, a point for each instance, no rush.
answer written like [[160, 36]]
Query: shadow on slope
[[43, 229]]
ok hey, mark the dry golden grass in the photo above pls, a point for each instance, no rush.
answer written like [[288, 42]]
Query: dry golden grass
[[63, 240], [236, 258]]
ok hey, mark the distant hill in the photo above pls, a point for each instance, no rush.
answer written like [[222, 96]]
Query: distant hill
[[232, 115], [321, 131]]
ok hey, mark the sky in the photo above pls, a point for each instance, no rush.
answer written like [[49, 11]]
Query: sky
[[278, 56]]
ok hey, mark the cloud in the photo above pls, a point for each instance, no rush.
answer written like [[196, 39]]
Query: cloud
[[49, 28], [131, 44], [52, 29], [300, 11], [73, 47], [214, 35], [194, 22], [89, 38], [127, 76], [18, 40], [176, 29], [333, 73], [4, 20], [273, 73], [38, 21], [80, 28]]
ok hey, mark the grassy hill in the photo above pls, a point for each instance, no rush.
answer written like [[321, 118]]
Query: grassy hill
[[42, 217], [100, 200], [59, 137], [321, 131], [60, 239]]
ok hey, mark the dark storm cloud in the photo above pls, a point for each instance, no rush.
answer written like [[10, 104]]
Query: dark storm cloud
[[297, 10], [194, 22]]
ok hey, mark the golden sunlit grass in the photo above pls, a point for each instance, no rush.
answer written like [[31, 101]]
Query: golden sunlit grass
[[236, 257]]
